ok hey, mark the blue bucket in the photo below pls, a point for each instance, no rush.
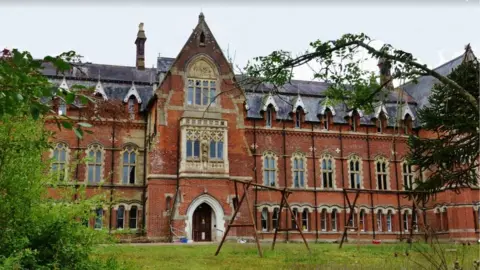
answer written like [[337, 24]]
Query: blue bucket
[[183, 240]]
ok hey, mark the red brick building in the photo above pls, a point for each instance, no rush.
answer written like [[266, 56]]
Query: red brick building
[[171, 172]]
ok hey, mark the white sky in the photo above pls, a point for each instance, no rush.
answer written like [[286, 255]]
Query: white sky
[[106, 33]]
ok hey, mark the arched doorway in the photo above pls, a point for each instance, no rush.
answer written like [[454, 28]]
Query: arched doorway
[[202, 223], [217, 222]]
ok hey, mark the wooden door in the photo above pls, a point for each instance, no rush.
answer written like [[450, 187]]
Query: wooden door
[[202, 223]]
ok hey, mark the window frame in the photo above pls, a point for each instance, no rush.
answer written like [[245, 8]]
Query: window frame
[[269, 171], [382, 175], [355, 159], [59, 167], [122, 223], [408, 175], [133, 209], [129, 150], [196, 91], [299, 170], [305, 220], [97, 166], [264, 219], [327, 171]]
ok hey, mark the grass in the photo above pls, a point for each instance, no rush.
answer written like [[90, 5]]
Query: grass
[[285, 256]]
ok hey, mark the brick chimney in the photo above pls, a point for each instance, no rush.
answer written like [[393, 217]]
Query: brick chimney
[[140, 42], [385, 73]]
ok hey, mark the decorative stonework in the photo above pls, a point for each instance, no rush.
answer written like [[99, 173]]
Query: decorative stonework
[[382, 162], [270, 155], [325, 168], [204, 131], [302, 159], [95, 148], [355, 159], [201, 69]]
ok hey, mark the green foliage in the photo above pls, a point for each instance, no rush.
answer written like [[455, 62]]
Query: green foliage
[[37, 232], [340, 66], [24, 90], [452, 155]]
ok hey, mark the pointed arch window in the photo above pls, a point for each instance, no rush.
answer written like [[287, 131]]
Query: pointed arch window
[[129, 164], [381, 170], [120, 217], [351, 221], [379, 220], [415, 221], [408, 175], [298, 172], [389, 220], [60, 161], [323, 220], [132, 222], [294, 217], [333, 220], [264, 219], [269, 169], [327, 171], [305, 219], [362, 220], [95, 163], [98, 218], [275, 218], [354, 171], [405, 221]]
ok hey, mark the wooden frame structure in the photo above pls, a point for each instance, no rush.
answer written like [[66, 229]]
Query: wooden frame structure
[[351, 206], [284, 203]]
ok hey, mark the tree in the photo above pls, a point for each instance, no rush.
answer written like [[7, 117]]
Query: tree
[[451, 156], [340, 66], [37, 232], [453, 152]]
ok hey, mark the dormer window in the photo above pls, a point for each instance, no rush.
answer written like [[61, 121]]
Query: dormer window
[[298, 119], [62, 108], [269, 116], [407, 124], [381, 123], [326, 119], [131, 108], [354, 121]]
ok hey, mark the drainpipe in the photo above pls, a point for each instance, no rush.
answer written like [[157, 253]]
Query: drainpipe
[[285, 170], [75, 195], [343, 181], [398, 187], [315, 186], [254, 152], [144, 193], [370, 180], [112, 176]]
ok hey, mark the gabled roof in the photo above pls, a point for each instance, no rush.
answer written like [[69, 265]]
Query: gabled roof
[[132, 92], [421, 90]]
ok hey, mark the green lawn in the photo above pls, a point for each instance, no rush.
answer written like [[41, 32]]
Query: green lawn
[[285, 256]]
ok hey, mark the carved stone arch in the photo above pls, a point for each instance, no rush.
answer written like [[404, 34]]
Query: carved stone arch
[[202, 67]]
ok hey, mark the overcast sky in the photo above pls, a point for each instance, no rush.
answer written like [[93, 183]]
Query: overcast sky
[[106, 33]]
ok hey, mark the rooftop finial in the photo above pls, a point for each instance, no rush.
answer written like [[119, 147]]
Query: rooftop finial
[[201, 17], [140, 27]]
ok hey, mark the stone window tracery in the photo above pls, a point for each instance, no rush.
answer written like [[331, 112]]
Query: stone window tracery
[[381, 170]]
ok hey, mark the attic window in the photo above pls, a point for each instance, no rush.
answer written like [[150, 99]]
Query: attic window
[[202, 39], [298, 119], [381, 123]]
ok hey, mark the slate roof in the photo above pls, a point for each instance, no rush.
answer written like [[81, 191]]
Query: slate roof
[[421, 91], [117, 80]]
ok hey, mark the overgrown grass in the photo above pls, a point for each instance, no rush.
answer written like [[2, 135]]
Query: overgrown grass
[[285, 256]]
